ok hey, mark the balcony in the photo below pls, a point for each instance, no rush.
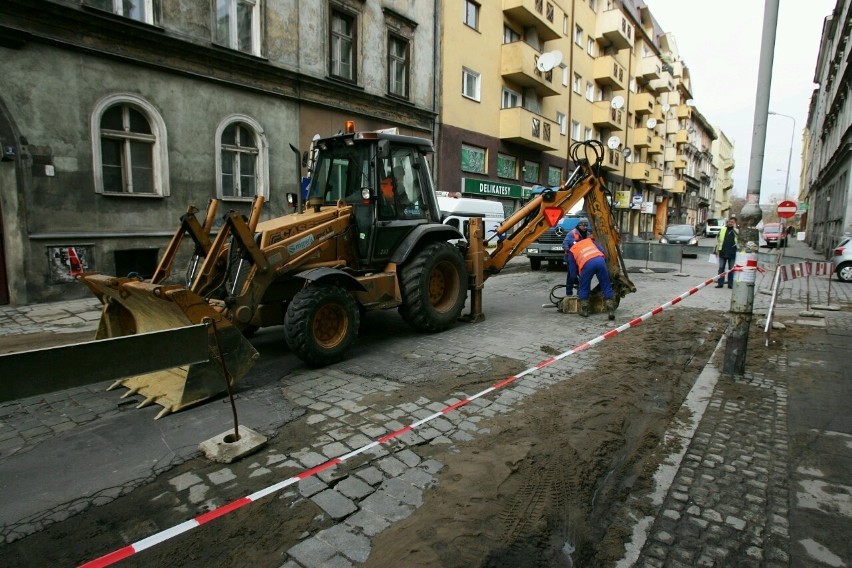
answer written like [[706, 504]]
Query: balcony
[[681, 137], [649, 68], [683, 111], [656, 146], [612, 160], [528, 129], [655, 176], [670, 155], [609, 72], [668, 182], [604, 116], [614, 29], [680, 162], [664, 84], [518, 65], [641, 137], [545, 17], [638, 171], [645, 103]]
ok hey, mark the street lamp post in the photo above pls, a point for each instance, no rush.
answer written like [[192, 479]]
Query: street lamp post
[[790, 155]]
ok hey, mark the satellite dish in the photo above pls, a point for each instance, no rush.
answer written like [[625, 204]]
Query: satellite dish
[[613, 142], [627, 153], [617, 102], [690, 103], [545, 62], [652, 122], [666, 107], [557, 57]]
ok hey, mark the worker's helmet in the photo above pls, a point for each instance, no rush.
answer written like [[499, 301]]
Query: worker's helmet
[[583, 221]]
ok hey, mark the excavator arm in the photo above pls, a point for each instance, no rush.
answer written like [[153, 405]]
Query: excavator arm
[[540, 214]]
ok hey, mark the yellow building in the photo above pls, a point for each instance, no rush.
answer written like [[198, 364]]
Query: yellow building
[[522, 80]]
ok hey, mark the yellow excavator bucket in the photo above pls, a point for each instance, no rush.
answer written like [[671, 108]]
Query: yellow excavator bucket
[[132, 306]]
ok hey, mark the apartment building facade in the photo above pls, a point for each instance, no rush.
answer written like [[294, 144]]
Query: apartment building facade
[[536, 76], [723, 158], [826, 182], [116, 115]]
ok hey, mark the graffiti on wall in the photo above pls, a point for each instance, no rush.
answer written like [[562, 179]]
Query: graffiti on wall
[[66, 263]]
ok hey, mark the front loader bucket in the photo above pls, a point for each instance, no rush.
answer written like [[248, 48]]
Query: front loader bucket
[[131, 306]]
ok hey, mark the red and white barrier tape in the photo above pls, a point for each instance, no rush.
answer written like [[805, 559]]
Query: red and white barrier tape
[[162, 536], [800, 269]]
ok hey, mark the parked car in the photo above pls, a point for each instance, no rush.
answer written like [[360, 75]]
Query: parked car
[[841, 261], [775, 235], [712, 227], [680, 235]]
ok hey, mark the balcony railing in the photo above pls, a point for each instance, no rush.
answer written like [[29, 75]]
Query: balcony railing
[[614, 28], [639, 171], [518, 65], [645, 103], [528, 129], [649, 68], [542, 15], [641, 137], [657, 145], [655, 176], [610, 72], [604, 116], [612, 160]]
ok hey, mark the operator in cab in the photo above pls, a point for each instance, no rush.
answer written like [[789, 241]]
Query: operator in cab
[[589, 260], [578, 233]]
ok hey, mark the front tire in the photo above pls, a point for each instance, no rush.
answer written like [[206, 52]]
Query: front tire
[[844, 272], [434, 287], [535, 264], [321, 324]]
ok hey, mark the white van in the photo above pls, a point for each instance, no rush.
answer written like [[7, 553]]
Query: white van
[[457, 211]]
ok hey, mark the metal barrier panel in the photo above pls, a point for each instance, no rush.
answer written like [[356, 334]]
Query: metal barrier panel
[[40, 371], [666, 253], [635, 251]]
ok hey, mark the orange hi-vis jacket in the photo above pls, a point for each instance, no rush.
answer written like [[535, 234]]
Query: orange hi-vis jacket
[[584, 251]]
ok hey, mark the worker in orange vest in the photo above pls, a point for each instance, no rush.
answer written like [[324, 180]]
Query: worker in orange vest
[[591, 261]]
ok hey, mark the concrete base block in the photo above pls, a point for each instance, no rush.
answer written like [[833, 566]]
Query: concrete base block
[[811, 315], [224, 449], [646, 271], [684, 274], [827, 308]]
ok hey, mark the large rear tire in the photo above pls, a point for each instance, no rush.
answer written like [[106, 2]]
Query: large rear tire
[[434, 288], [321, 324]]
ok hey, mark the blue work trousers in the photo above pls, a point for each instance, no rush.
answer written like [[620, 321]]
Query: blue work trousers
[[730, 265], [595, 267]]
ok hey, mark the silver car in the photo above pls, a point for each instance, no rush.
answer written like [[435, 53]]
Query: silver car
[[842, 259]]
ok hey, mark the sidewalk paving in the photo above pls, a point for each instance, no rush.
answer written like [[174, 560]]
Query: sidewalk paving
[[762, 477]]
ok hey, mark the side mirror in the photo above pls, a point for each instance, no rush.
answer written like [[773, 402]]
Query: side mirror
[[383, 149]]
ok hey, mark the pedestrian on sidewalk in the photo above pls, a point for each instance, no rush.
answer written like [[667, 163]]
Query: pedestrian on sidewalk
[[726, 250], [589, 260], [578, 233]]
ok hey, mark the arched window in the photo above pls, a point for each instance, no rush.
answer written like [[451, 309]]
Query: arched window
[[241, 159], [129, 147]]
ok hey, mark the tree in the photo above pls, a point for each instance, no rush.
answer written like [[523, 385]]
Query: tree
[[737, 204]]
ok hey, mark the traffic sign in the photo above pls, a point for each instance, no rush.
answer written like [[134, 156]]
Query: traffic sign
[[787, 209]]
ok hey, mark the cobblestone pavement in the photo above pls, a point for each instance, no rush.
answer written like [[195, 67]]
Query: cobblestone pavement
[[724, 497]]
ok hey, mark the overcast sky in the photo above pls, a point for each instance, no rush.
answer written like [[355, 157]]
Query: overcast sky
[[719, 40]]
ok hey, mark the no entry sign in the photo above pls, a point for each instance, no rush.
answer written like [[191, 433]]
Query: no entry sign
[[787, 209]]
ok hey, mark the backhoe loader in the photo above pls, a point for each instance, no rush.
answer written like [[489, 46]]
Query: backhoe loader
[[367, 236]]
